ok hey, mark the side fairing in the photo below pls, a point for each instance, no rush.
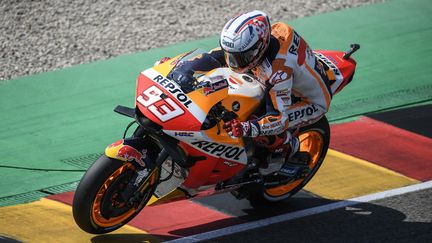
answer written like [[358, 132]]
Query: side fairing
[[226, 148], [224, 156]]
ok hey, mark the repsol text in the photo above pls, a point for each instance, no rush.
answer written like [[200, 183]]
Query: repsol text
[[220, 150], [173, 89], [310, 110]]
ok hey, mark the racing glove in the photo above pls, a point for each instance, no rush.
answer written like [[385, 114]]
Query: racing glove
[[237, 128], [184, 78]]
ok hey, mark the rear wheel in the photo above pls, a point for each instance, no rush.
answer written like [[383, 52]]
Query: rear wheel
[[315, 140], [102, 202]]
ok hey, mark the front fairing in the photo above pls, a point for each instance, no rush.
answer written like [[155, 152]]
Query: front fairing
[[163, 101]]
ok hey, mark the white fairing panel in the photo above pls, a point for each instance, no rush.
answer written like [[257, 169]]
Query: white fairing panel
[[249, 86], [239, 84]]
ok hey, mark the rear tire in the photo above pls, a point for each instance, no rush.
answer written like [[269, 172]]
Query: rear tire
[[314, 137], [95, 208]]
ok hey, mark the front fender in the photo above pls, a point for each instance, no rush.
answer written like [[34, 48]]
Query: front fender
[[136, 150]]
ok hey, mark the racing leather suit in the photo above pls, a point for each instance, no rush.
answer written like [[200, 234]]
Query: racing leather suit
[[297, 84]]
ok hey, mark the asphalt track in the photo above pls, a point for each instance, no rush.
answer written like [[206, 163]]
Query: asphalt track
[[370, 154], [405, 218]]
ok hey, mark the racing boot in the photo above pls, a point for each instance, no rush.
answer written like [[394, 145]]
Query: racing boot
[[283, 156], [270, 152], [296, 164]]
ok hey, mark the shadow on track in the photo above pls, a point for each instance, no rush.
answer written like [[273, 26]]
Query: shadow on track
[[364, 222], [130, 238], [360, 223]]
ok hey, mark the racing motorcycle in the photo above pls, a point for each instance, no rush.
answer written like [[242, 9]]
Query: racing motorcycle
[[179, 151]]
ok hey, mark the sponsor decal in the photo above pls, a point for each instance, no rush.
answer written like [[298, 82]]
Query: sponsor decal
[[286, 100], [289, 170], [284, 92], [220, 150], [131, 154], [141, 175], [216, 86], [329, 63], [308, 111], [219, 85], [278, 77], [272, 125], [183, 134], [295, 44], [230, 164], [235, 106], [273, 131], [227, 43], [161, 106], [173, 89]]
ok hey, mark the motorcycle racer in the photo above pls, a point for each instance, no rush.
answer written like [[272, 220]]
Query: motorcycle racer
[[296, 84]]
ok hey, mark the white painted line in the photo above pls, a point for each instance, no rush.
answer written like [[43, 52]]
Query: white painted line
[[303, 213]]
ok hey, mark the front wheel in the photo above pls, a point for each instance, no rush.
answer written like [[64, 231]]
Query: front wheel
[[103, 200], [315, 140]]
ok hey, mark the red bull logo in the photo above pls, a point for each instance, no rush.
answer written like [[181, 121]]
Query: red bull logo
[[131, 154]]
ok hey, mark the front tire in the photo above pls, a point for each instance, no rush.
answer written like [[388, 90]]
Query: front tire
[[98, 206]]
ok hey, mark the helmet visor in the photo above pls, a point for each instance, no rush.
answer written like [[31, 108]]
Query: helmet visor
[[241, 60]]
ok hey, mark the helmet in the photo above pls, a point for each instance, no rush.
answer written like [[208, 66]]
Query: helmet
[[244, 40]]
